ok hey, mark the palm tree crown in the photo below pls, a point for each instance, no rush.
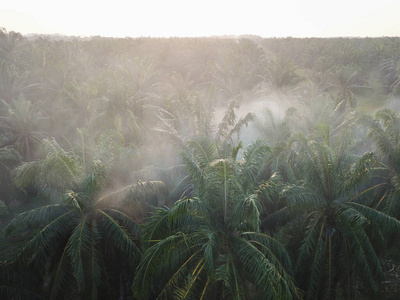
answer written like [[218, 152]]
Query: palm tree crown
[[209, 246]]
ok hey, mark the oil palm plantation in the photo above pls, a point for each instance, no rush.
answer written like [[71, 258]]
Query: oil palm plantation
[[330, 220], [208, 245]]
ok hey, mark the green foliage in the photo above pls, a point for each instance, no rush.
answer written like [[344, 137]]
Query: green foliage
[[331, 243], [88, 241], [90, 128], [23, 123], [210, 245]]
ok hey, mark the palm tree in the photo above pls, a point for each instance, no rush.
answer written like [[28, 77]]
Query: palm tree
[[87, 244], [390, 69], [346, 81], [75, 98], [330, 220], [52, 174], [13, 81], [384, 132], [90, 247], [208, 245], [277, 131], [231, 124], [10, 42], [238, 69], [21, 126], [281, 73], [9, 159], [191, 108], [128, 101]]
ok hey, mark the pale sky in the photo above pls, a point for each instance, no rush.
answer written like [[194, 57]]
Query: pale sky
[[165, 18]]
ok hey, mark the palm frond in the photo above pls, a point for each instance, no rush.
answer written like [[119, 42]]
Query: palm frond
[[62, 278], [316, 268], [110, 144], [254, 160], [141, 191], [9, 156], [231, 277], [191, 206], [245, 215], [302, 198], [228, 119], [243, 121], [364, 256], [186, 215], [79, 242], [25, 174], [384, 221], [274, 282], [385, 138], [41, 215], [361, 170], [203, 150], [173, 255], [51, 236], [118, 234], [391, 203], [311, 242]]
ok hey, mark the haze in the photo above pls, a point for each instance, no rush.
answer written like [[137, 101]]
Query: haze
[[156, 18]]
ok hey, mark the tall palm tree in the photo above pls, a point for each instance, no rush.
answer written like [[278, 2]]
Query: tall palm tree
[[127, 100], [191, 108], [346, 81], [208, 245], [52, 174], [87, 243], [9, 159], [390, 69], [238, 69], [281, 73], [384, 132], [277, 131], [10, 42], [330, 220], [21, 126], [13, 81]]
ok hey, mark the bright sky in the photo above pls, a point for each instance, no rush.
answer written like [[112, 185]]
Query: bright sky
[[164, 18]]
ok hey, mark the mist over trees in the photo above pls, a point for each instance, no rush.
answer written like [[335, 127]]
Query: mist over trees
[[199, 168]]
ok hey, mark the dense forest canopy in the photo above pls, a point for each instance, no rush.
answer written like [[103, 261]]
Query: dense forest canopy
[[199, 168]]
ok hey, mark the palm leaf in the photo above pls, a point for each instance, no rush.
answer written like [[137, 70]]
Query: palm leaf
[[79, 242], [138, 192], [273, 282], [62, 279], [117, 233], [173, 255], [384, 221], [41, 215], [254, 159]]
